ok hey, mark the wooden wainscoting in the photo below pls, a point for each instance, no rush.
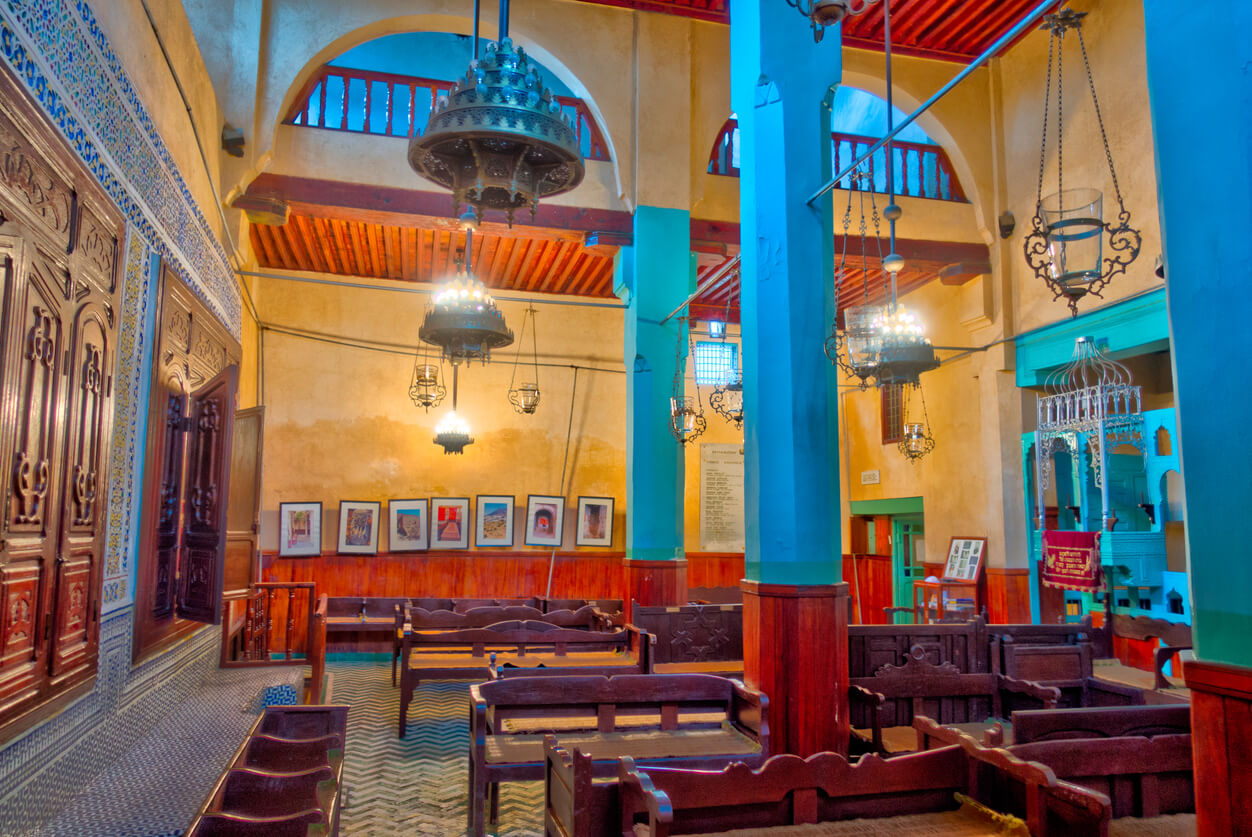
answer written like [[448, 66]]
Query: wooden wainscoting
[[870, 584], [1008, 595]]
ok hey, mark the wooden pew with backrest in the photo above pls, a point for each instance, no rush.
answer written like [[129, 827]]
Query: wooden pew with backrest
[[472, 653], [714, 595], [1100, 722], [1068, 667], [612, 608], [687, 720], [692, 638], [917, 793], [284, 779], [1170, 638], [963, 644], [967, 701]]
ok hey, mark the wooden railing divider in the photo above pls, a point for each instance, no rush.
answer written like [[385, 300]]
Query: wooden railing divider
[[272, 610], [404, 100]]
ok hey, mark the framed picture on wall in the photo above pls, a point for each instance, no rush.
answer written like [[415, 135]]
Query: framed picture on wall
[[595, 521], [358, 527], [449, 521], [299, 529], [545, 520], [408, 526], [495, 520], [965, 557]]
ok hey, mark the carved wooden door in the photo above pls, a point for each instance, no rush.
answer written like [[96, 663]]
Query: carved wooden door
[[34, 352], [212, 411], [243, 514], [170, 438]]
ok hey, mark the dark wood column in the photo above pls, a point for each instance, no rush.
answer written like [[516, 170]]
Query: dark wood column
[[655, 582], [795, 650], [1221, 741]]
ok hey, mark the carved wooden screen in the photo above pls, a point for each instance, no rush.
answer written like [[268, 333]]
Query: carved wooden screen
[[186, 469], [59, 258]]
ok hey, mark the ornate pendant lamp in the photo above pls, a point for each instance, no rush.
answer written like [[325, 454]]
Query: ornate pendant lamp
[[1066, 245], [452, 433], [727, 397], [525, 396], [1093, 399], [499, 139], [823, 13], [463, 320], [917, 440], [855, 348], [686, 414], [426, 386]]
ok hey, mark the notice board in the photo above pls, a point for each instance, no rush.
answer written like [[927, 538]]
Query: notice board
[[721, 497]]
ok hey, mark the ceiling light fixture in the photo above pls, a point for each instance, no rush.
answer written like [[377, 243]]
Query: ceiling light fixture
[[686, 414], [463, 319], [823, 13], [525, 396]]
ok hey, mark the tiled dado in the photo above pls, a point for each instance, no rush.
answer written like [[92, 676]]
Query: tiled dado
[[41, 771]]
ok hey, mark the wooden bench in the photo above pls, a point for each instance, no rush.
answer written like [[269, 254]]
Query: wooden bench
[[942, 692], [284, 779], [687, 720], [612, 608], [1068, 667], [472, 653], [1101, 722], [692, 638], [786, 794], [963, 644], [1171, 638]]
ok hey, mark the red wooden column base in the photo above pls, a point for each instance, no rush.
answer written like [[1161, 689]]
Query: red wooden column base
[[795, 650], [655, 582], [1221, 741]]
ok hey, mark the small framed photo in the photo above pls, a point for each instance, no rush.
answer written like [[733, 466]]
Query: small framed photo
[[545, 520], [595, 521], [449, 520], [495, 520], [408, 526], [299, 529], [358, 527]]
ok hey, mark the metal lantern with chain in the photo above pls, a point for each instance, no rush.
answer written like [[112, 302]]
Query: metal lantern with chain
[[499, 139], [426, 387], [727, 397], [917, 440], [525, 396], [853, 348], [823, 13], [1065, 248], [686, 414]]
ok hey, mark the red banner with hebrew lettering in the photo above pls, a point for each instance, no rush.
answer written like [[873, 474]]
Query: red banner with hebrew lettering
[[1071, 561]]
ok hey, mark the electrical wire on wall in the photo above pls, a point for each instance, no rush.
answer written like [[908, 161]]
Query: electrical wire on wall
[[569, 430]]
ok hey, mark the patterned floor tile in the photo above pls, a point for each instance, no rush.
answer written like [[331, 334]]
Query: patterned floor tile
[[418, 785]]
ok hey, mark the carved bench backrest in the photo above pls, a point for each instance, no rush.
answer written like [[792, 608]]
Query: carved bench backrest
[[1100, 722]]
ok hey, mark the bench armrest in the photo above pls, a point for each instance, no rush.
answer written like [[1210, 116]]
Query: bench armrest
[[1132, 695], [1163, 654], [478, 727], [639, 796], [1049, 696], [873, 701], [749, 709], [640, 642]]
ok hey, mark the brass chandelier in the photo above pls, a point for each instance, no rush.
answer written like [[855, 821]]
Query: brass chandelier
[[499, 139], [463, 319], [1065, 247]]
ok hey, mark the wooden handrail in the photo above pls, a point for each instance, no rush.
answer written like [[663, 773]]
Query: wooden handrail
[[922, 170], [317, 652], [352, 100], [260, 637]]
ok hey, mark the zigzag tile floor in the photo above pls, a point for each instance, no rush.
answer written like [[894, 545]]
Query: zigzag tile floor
[[415, 786]]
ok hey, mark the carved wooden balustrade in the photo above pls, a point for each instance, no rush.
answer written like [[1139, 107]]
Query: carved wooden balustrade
[[268, 625]]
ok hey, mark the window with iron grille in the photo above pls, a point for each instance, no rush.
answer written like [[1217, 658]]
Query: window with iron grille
[[715, 361], [892, 413]]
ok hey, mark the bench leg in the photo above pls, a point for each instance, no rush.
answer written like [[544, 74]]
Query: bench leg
[[477, 800], [406, 697], [493, 803], [395, 655]]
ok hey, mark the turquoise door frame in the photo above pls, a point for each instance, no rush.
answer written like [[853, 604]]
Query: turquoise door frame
[[906, 530]]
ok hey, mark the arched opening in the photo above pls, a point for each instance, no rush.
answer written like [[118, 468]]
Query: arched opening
[[389, 85]]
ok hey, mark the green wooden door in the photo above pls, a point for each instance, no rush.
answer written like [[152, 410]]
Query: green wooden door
[[907, 559]]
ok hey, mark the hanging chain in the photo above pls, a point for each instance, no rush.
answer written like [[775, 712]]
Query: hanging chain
[[1108, 155], [517, 357], [534, 340], [1060, 109], [1043, 144]]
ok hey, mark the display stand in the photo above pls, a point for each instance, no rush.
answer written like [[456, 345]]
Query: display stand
[[957, 594]]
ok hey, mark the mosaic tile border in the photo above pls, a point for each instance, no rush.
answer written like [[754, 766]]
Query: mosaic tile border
[[59, 51]]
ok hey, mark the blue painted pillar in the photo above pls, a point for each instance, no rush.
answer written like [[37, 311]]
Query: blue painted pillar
[[1200, 87], [654, 276], [795, 608]]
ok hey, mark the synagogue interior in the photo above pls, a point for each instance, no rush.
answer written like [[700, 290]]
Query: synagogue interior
[[624, 417]]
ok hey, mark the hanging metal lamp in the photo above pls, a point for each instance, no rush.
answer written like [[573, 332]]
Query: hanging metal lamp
[[452, 433], [426, 387], [525, 396], [853, 344], [823, 13], [1065, 247], [463, 319], [727, 397], [686, 414], [917, 440], [499, 140]]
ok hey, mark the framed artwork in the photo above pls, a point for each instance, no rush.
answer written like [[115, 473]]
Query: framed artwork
[[358, 527], [545, 520], [964, 559], [495, 520], [299, 529], [595, 521], [449, 520], [408, 526]]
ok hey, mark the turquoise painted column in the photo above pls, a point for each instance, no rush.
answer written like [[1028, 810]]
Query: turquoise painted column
[[654, 276], [1200, 91], [795, 609]]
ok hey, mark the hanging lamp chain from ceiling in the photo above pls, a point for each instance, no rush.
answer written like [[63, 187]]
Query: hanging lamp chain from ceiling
[[686, 419]]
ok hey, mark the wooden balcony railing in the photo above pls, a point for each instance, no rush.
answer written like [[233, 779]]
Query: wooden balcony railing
[[386, 104], [921, 170], [272, 623]]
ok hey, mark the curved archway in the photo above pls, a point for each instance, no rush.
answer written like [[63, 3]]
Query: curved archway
[[442, 23]]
